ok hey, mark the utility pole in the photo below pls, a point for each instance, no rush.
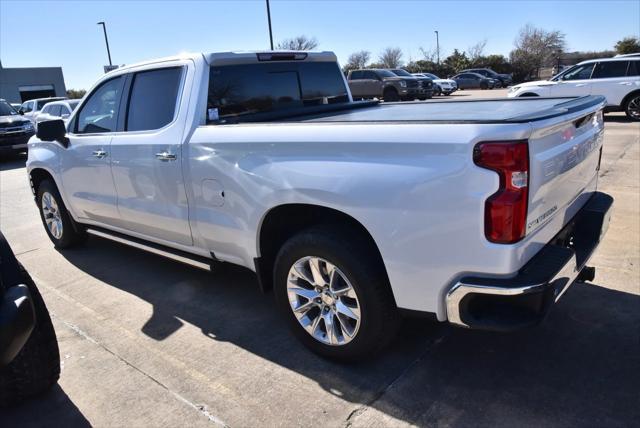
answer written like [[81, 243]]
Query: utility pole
[[437, 45], [269, 19], [106, 40]]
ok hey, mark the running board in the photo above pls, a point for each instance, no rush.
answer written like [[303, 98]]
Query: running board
[[151, 247]]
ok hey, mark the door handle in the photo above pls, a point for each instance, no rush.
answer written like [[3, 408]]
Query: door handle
[[580, 84], [165, 156], [99, 153]]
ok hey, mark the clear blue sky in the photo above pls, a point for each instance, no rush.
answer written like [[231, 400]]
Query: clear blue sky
[[65, 32]]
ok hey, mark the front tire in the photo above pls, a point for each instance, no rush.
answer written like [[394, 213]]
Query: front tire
[[334, 294], [632, 107], [390, 95], [60, 227]]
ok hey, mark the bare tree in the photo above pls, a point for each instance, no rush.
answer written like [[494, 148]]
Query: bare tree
[[359, 59], [476, 51], [299, 43], [430, 55], [391, 57], [535, 48]]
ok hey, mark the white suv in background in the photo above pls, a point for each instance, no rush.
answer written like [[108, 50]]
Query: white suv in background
[[617, 79], [56, 110]]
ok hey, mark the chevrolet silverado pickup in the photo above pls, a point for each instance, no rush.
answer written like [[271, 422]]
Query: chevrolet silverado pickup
[[478, 212]]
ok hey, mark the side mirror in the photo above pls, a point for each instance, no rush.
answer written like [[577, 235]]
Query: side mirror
[[53, 130], [21, 112]]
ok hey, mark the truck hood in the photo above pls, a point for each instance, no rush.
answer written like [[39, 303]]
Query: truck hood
[[13, 120]]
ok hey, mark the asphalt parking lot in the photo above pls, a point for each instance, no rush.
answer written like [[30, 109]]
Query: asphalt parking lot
[[149, 342]]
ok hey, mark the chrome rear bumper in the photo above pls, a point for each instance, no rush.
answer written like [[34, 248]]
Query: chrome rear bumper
[[524, 300]]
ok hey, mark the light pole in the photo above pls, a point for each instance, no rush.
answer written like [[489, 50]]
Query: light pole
[[437, 45], [106, 40], [269, 19]]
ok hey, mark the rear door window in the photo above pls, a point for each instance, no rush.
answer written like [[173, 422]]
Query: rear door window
[[153, 99], [634, 68], [610, 69]]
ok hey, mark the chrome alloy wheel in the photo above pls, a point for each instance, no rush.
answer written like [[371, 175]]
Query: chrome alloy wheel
[[51, 215], [633, 108], [323, 300]]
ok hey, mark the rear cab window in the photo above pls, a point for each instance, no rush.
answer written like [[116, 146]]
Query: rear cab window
[[241, 91]]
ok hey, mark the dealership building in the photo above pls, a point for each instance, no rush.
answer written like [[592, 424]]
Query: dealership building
[[21, 84]]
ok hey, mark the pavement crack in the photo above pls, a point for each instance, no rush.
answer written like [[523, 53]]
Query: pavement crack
[[198, 407], [362, 408]]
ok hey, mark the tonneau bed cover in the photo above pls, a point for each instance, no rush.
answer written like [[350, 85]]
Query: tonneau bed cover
[[496, 110]]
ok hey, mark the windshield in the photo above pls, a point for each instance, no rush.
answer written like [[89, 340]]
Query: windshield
[[6, 109], [431, 76], [386, 73], [401, 72], [246, 89], [73, 104]]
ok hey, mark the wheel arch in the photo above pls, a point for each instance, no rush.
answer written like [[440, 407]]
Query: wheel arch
[[528, 94], [283, 221], [627, 97], [37, 175]]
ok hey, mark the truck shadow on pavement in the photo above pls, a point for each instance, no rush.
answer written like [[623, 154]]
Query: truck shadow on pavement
[[10, 162], [54, 407], [580, 367]]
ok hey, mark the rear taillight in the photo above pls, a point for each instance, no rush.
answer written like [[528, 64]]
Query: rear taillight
[[505, 214]]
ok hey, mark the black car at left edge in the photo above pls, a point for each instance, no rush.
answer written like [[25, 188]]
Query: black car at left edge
[[15, 130]]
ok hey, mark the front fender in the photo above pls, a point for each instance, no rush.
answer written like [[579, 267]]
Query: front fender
[[46, 156]]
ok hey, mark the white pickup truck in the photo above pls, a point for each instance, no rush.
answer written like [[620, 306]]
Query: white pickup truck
[[480, 212]]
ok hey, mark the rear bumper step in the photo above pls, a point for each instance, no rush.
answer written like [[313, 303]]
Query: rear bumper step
[[506, 304]]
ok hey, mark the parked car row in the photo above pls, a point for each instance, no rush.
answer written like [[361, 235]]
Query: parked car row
[[389, 85], [18, 122]]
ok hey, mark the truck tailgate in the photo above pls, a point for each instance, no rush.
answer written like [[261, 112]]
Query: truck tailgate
[[564, 156]]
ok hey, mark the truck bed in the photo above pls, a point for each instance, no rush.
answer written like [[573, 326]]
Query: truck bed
[[497, 110]]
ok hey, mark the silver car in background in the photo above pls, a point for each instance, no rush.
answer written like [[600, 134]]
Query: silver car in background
[[30, 109], [443, 86]]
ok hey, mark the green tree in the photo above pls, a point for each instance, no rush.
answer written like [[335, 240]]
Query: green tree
[[457, 61], [75, 93], [628, 45], [498, 63]]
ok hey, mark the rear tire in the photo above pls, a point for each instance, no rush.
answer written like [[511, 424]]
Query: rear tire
[[37, 366], [358, 266], [390, 95], [60, 227], [632, 107]]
